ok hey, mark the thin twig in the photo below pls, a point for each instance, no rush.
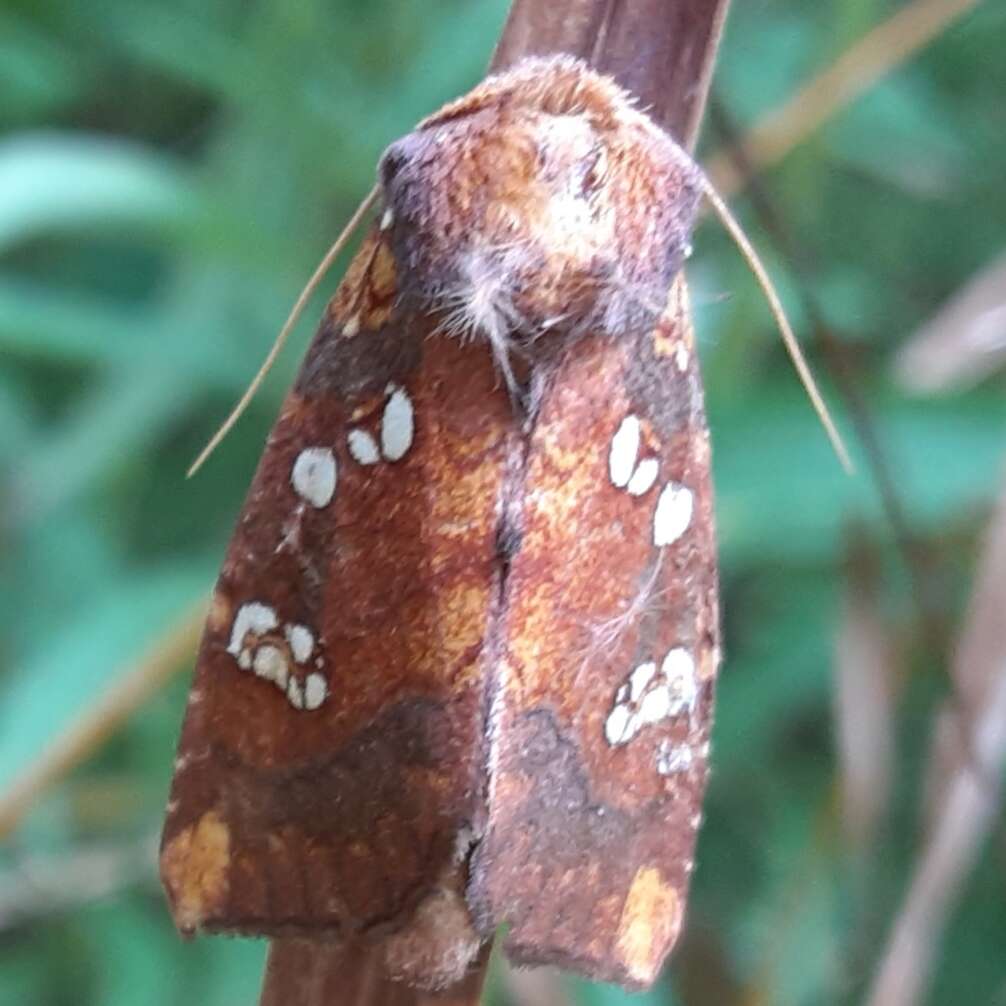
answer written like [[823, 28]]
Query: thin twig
[[853, 73], [128, 691]]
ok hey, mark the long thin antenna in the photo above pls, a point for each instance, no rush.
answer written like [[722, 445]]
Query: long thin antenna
[[788, 338], [284, 333]]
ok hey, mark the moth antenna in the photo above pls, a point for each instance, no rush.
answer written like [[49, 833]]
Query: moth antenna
[[789, 339], [284, 332]]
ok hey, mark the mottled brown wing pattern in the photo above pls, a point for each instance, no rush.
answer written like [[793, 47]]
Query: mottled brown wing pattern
[[459, 667], [332, 748], [601, 703]]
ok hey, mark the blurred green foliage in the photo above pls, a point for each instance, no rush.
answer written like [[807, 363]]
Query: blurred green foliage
[[169, 175]]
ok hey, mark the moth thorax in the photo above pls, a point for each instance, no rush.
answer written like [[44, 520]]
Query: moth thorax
[[519, 214]]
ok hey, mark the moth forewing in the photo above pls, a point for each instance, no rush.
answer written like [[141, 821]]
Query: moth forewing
[[459, 668], [603, 696], [329, 764]]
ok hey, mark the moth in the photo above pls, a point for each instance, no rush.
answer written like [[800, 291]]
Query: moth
[[459, 666]]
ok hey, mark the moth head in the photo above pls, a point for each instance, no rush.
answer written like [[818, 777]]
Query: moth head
[[541, 201]]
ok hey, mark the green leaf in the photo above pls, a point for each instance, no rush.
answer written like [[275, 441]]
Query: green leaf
[[48, 321], [56, 182]]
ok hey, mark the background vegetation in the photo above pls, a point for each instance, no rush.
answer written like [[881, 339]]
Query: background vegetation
[[169, 175]]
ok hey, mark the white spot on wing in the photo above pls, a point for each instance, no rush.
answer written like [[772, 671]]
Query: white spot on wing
[[255, 618], [673, 758], [270, 664], [639, 679], [363, 447], [315, 690], [678, 669], [647, 697], [301, 641], [643, 477], [619, 727], [656, 704], [623, 455], [623, 452], [673, 514], [352, 326], [387, 219], [270, 657], [314, 476], [397, 425], [681, 356]]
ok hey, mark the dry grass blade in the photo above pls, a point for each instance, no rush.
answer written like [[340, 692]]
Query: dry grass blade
[[973, 677], [969, 796], [964, 341], [852, 74], [130, 690], [864, 687]]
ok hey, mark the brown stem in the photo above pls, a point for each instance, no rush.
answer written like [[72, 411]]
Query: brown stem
[[303, 972], [661, 50]]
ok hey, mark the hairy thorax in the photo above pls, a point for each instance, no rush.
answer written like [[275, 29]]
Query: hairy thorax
[[542, 202]]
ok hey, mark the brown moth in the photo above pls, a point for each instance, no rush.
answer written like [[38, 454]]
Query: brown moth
[[458, 671]]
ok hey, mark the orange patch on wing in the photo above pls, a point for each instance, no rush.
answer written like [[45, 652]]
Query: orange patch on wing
[[649, 924], [195, 866], [221, 612]]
